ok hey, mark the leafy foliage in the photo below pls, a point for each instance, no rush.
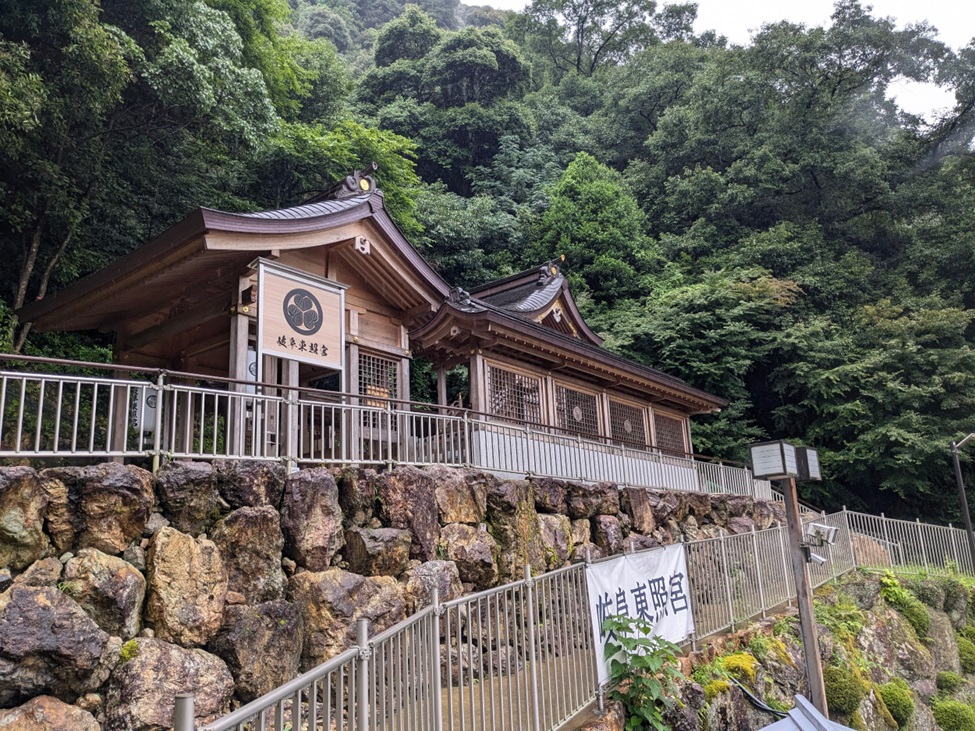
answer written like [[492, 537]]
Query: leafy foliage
[[644, 669], [906, 603]]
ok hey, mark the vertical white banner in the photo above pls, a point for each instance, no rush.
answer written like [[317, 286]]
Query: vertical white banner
[[651, 585]]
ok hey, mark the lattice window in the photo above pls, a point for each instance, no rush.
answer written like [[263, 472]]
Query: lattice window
[[670, 434], [576, 410], [627, 423], [512, 395], [378, 377]]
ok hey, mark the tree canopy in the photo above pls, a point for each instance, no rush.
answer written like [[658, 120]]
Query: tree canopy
[[762, 220]]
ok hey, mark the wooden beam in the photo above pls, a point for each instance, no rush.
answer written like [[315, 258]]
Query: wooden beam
[[183, 321]]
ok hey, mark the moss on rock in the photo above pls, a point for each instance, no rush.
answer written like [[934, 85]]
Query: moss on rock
[[952, 715], [898, 699], [845, 690]]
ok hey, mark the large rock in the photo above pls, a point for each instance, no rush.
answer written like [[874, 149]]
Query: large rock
[[514, 524], [250, 483], [22, 506], [587, 501], [556, 531], [105, 506], [421, 580], [189, 494], [550, 495], [261, 645], [607, 534], [377, 551], [461, 494], [187, 588], [311, 518], [46, 572], [332, 601], [250, 544], [668, 506], [48, 645], [142, 690], [407, 498], [45, 713], [109, 589], [474, 551], [357, 494], [635, 501]]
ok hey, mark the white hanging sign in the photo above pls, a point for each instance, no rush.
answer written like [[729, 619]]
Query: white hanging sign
[[299, 316], [650, 585]]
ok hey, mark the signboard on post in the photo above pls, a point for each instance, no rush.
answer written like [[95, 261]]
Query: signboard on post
[[299, 316], [651, 585]]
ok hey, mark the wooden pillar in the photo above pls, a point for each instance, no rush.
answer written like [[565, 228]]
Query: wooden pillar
[[352, 439], [807, 617], [237, 368], [292, 434], [118, 420], [442, 388], [478, 387]]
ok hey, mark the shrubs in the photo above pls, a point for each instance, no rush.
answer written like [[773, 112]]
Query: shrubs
[[844, 689], [952, 715], [906, 603], [898, 699], [948, 681], [966, 654]]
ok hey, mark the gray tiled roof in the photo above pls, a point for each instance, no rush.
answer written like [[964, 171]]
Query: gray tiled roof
[[526, 298], [311, 210]]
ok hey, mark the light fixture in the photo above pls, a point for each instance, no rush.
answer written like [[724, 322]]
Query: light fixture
[[774, 460], [818, 534]]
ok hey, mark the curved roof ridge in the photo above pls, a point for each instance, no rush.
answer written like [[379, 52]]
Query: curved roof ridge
[[307, 210]]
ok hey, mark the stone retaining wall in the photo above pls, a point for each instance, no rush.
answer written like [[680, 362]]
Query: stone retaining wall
[[121, 589]]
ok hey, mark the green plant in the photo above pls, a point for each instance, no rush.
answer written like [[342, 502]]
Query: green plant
[[948, 681], [644, 670], [966, 654], [898, 699], [844, 689], [952, 715], [129, 650], [742, 665], [906, 603]]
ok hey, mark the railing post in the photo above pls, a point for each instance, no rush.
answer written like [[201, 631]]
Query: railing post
[[727, 579], [954, 548], [532, 652], [389, 434], [920, 542], [849, 535], [157, 435], [435, 664], [184, 713], [890, 544], [785, 566], [362, 675], [758, 571], [468, 441]]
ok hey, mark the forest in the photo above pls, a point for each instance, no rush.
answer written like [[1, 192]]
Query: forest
[[762, 221]]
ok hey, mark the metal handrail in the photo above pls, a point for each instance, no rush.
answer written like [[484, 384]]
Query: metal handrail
[[761, 582]]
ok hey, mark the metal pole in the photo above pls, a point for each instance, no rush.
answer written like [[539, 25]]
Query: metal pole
[[435, 664], [157, 423], [807, 618], [362, 675], [184, 715], [964, 501], [532, 654]]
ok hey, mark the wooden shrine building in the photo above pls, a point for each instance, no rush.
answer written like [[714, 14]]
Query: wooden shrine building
[[331, 294]]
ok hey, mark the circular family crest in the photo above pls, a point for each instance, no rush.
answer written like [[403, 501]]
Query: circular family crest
[[303, 312]]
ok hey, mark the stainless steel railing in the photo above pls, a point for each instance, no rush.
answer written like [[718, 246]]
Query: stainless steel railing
[[169, 416], [521, 657]]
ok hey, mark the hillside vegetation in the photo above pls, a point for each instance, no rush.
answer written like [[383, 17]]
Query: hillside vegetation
[[762, 221]]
